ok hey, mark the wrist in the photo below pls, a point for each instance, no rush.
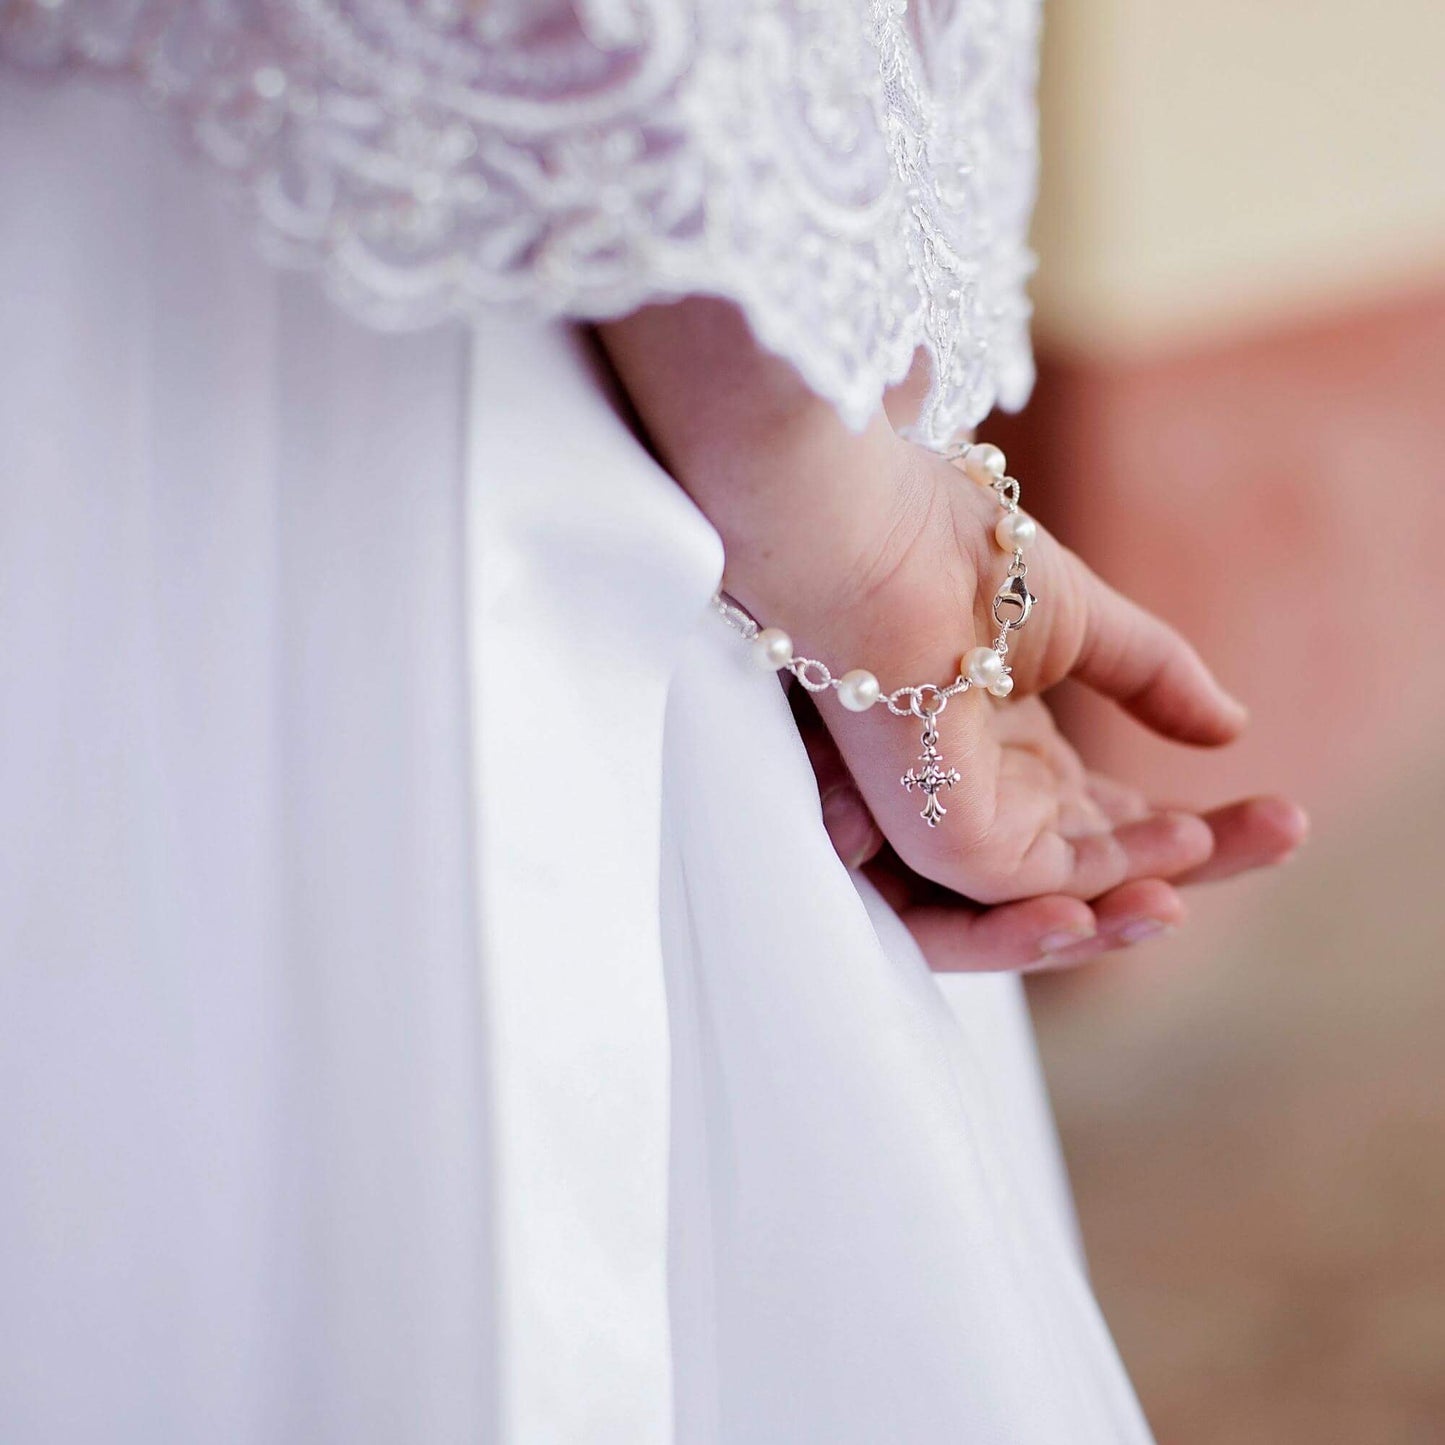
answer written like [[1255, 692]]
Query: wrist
[[846, 539], [814, 518], [905, 598], [793, 492]]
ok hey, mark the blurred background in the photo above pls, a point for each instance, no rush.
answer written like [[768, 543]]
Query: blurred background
[[1241, 420]]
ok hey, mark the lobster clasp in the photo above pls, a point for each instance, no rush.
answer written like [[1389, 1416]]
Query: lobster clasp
[[1012, 604]]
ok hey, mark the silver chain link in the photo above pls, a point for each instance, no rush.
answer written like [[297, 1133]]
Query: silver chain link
[[907, 701], [930, 775]]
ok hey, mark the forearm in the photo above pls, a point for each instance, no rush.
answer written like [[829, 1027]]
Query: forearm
[[796, 496], [875, 554]]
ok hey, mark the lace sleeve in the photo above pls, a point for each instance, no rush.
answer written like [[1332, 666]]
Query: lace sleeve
[[856, 176]]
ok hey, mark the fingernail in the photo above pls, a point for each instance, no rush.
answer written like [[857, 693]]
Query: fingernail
[[1142, 928], [849, 824], [1064, 938]]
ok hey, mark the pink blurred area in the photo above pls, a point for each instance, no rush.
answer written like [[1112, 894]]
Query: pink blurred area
[[1254, 1108], [1279, 498]]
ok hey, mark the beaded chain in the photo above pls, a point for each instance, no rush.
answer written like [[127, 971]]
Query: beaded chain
[[983, 667]]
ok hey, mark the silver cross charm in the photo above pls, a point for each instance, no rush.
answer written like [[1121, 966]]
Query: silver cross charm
[[932, 777]]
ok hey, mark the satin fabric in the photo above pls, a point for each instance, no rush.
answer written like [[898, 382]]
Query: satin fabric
[[431, 1008]]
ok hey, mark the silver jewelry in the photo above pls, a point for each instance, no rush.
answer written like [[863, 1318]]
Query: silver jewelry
[[982, 667]]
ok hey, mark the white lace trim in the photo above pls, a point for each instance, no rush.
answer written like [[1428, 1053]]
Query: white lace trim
[[855, 175]]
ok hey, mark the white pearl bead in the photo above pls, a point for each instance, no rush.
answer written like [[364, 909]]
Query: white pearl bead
[[1002, 685], [985, 463], [983, 666], [772, 649], [1015, 531], [858, 690]]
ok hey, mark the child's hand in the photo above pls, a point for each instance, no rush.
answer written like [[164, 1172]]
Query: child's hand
[[1051, 930], [1023, 819], [873, 553]]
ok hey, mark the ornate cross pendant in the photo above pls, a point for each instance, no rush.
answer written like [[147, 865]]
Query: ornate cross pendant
[[932, 778]]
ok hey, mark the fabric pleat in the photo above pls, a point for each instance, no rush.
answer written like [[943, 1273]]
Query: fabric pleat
[[430, 1010]]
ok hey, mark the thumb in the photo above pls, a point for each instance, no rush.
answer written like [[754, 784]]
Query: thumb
[[1129, 655]]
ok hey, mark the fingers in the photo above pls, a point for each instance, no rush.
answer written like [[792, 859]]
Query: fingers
[[1256, 833], [1118, 802], [850, 827], [1128, 654], [1162, 845], [1133, 913], [846, 817], [955, 939], [1043, 933]]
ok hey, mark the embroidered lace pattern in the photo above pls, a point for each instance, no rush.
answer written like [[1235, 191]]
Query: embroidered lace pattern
[[856, 175]]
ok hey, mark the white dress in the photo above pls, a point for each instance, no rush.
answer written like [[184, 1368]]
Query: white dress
[[430, 1009]]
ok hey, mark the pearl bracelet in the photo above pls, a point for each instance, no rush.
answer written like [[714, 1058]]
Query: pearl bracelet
[[982, 667]]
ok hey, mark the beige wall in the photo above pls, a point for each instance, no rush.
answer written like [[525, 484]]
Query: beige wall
[[1216, 162]]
